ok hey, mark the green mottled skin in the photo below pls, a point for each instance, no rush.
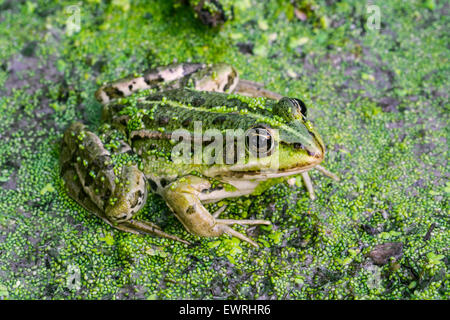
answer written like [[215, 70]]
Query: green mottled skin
[[143, 123], [392, 160], [179, 109]]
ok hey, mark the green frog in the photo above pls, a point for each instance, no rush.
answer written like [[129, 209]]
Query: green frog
[[194, 134]]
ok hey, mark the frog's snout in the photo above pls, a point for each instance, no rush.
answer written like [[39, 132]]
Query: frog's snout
[[317, 150]]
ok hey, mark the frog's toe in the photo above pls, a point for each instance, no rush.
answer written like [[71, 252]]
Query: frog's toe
[[308, 185], [327, 173], [243, 221], [230, 231], [224, 226], [146, 227], [217, 213]]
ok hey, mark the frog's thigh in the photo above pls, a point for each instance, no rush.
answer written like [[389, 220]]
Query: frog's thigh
[[151, 79], [254, 89]]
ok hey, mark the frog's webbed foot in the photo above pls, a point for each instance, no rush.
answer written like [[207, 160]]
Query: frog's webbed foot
[[307, 180], [182, 196]]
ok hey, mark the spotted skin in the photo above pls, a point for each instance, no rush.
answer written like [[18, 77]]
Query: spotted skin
[[141, 117]]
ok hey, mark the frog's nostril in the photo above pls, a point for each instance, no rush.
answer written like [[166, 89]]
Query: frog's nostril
[[298, 146], [313, 154]]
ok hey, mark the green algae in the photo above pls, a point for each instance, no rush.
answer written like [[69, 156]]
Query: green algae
[[379, 99]]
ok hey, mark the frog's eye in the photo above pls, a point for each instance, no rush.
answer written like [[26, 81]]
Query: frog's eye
[[290, 109], [259, 141]]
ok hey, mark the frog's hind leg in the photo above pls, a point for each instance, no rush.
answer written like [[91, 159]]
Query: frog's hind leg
[[76, 192], [254, 89], [76, 183], [172, 76], [90, 179]]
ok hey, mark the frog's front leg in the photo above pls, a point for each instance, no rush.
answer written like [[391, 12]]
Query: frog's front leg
[[114, 194], [182, 196], [308, 183]]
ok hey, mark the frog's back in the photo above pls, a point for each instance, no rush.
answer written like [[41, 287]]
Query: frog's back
[[180, 108], [150, 120]]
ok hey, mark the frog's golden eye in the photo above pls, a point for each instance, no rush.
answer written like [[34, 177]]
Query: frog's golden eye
[[290, 109], [259, 141]]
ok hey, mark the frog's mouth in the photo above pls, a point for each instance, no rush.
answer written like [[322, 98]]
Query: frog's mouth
[[275, 167], [311, 158], [243, 174], [267, 174], [293, 171]]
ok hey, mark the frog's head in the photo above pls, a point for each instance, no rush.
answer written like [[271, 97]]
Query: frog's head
[[300, 145], [129, 195], [290, 143]]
